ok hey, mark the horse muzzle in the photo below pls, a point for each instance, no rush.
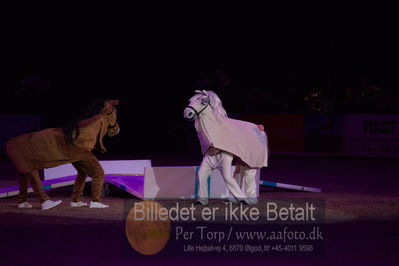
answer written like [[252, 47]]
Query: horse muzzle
[[190, 113], [113, 130]]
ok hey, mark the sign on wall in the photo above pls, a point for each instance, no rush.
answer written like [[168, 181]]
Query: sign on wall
[[372, 135]]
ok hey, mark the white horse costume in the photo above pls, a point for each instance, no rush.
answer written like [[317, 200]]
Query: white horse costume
[[223, 138]]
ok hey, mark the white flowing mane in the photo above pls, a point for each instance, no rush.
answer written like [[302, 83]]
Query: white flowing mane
[[215, 102]]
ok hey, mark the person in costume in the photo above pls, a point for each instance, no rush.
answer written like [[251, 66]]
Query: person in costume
[[245, 176], [56, 146], [221, 140]]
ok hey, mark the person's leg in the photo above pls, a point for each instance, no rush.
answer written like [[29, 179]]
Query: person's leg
[[37, 186], [40, 193], [16, 151], [91, 167], [23, 187], [250, 184], [238, 176], [79, 184], [225, 170], [97, 174], [203, 174], [17, 157]]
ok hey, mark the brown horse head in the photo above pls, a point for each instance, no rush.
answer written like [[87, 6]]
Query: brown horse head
[[109, 113]]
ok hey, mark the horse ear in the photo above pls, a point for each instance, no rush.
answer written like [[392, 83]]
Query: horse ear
[[113, 102], [205, 92], [198, 91]]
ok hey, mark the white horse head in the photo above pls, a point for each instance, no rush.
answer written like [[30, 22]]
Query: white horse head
[[201, 101]]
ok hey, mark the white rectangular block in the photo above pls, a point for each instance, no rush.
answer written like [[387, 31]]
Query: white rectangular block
[[63, 184], [116, 167], [169, 182], [128, 167], [12, 193], [180, 183], [59, 171]]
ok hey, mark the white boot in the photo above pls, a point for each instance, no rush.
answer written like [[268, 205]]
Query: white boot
[[99, 205], [24, 205], [231, 199], [78, 204], [252, 200], [48, 204], [201, 202]]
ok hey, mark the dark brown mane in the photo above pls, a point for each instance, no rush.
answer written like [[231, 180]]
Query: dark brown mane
[[71, 130]]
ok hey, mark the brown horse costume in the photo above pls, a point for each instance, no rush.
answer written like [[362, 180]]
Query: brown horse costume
[[48, 148]]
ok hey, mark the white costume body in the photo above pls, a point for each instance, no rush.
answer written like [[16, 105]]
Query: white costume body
[[246, 178], [240, 138], [233, 138]]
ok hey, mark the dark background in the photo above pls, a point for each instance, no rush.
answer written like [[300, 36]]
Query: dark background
[[153, 65]]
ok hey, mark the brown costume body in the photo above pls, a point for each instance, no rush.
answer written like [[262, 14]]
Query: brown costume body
[[47, 148]]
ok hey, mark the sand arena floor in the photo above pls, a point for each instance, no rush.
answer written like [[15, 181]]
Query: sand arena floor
[[361, 214]]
